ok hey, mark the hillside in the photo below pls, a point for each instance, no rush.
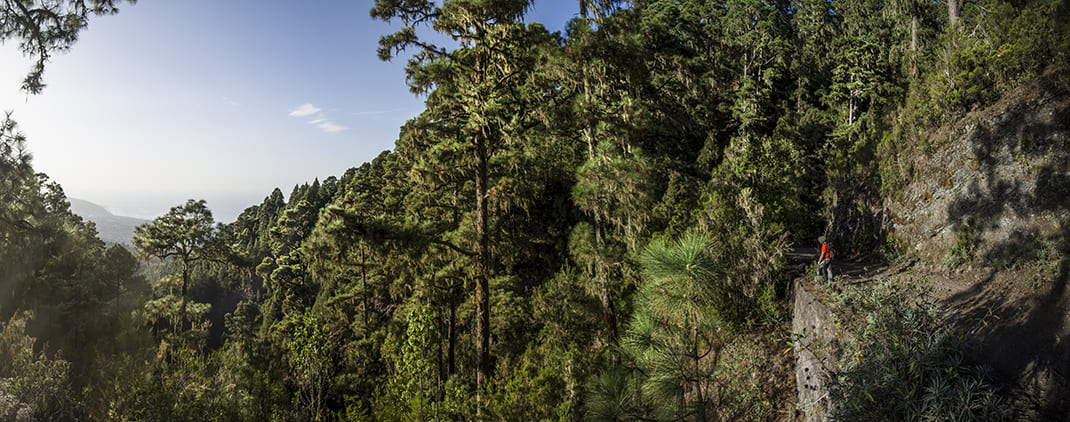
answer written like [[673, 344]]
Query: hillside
[[982, 239], [988, 215], [110, 227], [993, 184], [1011, 323], [614, 223]]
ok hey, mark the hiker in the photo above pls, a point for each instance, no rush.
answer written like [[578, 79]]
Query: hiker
[[824, 260]]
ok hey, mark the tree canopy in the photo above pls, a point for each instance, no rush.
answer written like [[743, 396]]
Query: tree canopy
[[44, 27], [580, 225]]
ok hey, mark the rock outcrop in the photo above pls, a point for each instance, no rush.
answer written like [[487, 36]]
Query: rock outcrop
[[1000, 178], [816, 332]]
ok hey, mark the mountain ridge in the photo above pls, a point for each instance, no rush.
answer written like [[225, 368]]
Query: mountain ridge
[[111, 228]]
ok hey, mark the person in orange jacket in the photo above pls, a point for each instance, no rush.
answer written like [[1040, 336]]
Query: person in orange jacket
[[824, 260]]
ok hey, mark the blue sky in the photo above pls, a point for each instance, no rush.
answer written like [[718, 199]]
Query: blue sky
[[216, 99]]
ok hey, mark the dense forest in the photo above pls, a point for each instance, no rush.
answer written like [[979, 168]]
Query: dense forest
[[580, 225]]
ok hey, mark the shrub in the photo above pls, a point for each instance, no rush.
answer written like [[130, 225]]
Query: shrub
[[32, 385], [962, 250], [905, 363]]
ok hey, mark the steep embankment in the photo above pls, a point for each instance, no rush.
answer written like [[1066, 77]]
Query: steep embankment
[[816, 327], [1021, 317], [987, 215], [1018, 315], [993, 181]]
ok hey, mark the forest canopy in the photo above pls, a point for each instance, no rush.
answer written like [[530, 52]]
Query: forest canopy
[[588, 224]]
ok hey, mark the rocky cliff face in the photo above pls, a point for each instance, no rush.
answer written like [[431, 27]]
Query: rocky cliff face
[[999, 179]]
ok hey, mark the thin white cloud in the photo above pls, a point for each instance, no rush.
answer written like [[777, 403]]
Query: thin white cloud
[[305, 110], [331, 127], [231, 102], [319, 119]]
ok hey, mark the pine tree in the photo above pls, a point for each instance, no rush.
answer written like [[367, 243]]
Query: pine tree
[[476, 110], [43, 27], [185, 233], [674, 338]]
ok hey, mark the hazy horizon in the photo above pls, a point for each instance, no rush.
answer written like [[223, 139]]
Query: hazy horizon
[[168, 101], [224, 209]]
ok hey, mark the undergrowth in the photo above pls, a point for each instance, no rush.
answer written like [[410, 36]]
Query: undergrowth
[[962, 250], [902, 362], [1040, 260]]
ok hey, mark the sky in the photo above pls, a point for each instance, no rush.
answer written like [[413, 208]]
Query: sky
[[222, 100]]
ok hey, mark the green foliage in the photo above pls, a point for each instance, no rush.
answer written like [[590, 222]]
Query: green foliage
[[542, 386], [44, 27], [753, 253], [906, 364], [611, 185], [1040, 260], [675, 343], [311, 366], [982, 68], [684, 278], [414, 390], [186, 385], [546, 381], [612, 396], [32, 385], [620, 195], [674, 337], [744, 390], [184, 232], [961, 251], [1010, 45], [85, 297]]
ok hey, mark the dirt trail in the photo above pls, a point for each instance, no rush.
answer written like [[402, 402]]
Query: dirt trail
[[845, 269], [1022, 316]]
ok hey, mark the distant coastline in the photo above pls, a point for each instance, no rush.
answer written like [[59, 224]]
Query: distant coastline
[[111, 228]]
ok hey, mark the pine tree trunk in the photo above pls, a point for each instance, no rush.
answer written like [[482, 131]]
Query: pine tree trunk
[[608, 314], [700, 398], [483, 278], [914, 26], [364, 286], [606, 297], [451, 334], [954, 8], [185, 281], [914, 38]]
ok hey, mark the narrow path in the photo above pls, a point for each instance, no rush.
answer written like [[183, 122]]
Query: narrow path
[[1021, 318], [1022, 322], [845, 269]]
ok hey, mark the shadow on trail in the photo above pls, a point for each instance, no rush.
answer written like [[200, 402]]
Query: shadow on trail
[[1025, 341], [1014, 213], [847, 270]]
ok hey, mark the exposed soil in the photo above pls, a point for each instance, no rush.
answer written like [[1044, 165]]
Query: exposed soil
[[1023, 318], [1021, 314]]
